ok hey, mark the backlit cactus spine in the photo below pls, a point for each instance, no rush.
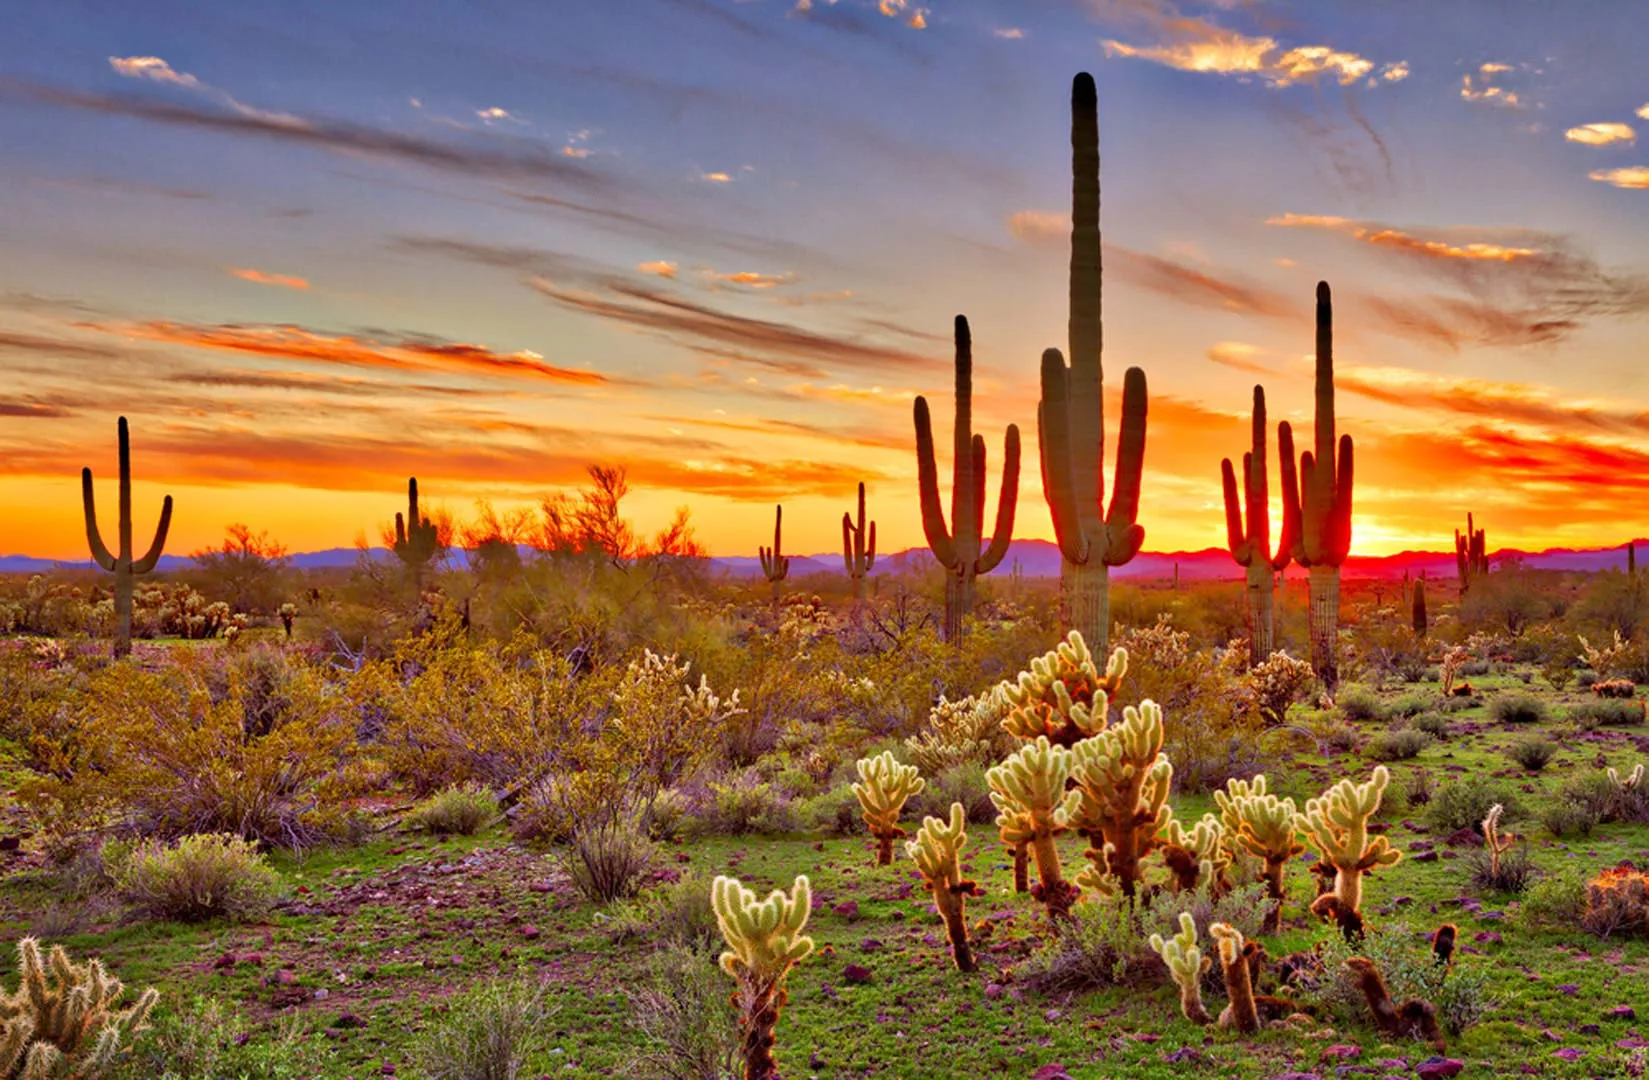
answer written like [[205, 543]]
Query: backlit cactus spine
[[1122, 781], [858, 548], [1250, 541], [122, 565], [64, 1020], [937, 852], [1033, 807], [1322, 503], [1071, 415], [765, 941], [883, 787], [958, 548]]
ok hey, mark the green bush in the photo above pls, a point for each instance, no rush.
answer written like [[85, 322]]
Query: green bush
[[963, 783], [1570, 818], [834, 811], [460, 810], [675, 913], [1518, 707], [1358, 703], [1556, 901], [1460, 993], [210, 1039], [743, 804], [199, 877], [488, 1032], [1590, 715], [1399, 745], [1464, 803], [1434, 724], [608, 860], [1532, 753], [681, 1021], [1410, 705]]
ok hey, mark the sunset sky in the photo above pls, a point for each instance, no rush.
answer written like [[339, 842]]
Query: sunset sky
[[312, 248]]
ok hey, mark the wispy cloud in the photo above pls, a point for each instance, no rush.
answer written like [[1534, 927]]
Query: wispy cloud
[[1408, 243], [1601, 134], [299, 343], [1486, 88], [1240, 356], [1507, 402], [154, 69], [1632, 176], [658, 268], [1196, 287], [1014, 33], [751, 279], [260, 277]]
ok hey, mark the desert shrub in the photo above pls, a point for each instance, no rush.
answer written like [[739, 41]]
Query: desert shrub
[[1455, 704], [968, 731], [1460, 993], [1418, 787], [834, 811], [1518, 707], [960, 783], [209, 1039], [1590, 715], [1399, 745], [1331, 734], [460, 810], [669, 816], [1617, 900], [1555, 901], [488, 1032], [1474, 668], [683, 1024], [1532, 753], [1101, 946], [1244, 907], [1558, 672], [608, 859], [676, 913], [1358, 703], [1584, 678], [1510, 874], [1434, 724], [1410, 705], [196, 878], [742, 803], [166, 753], [1212, 715], [1277, 684], [1464, 803], [1570, 818]]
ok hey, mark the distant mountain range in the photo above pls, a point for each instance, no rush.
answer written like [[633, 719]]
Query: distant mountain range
[[1035, 558]]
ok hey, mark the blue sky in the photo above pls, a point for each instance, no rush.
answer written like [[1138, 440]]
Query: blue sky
[[311, 247]]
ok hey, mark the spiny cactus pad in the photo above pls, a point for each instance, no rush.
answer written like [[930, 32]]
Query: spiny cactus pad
[[1337, 824], [883, 787], [63, 1020], [1187, 965]]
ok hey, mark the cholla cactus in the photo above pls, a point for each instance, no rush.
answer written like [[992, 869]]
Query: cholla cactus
[[1122, 780], [1629, 782], [1494, 840], [1198, 856], [288, 612], [1453, 660], [1032, 808], [1241, 1013], [63, 1020], [1277, 683], [1604, 661], [965, 731], [1062, 695], [1187, 965], [765, 941], [1266, 826], [937, 851], [883, 787], [1337, 824]]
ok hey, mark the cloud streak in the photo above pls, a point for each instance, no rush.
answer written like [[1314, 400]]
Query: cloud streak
[[260, 277]]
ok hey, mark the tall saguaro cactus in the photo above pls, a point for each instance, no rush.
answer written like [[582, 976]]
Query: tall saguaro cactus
[[957, 548], [858, 549], [417, 538], [1251, 544], [1071, 416], [1322, 501], [122, 565], [775, 564], [1471, 554]]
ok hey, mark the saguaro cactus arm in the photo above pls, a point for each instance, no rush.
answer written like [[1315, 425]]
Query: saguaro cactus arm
[[775, 564]]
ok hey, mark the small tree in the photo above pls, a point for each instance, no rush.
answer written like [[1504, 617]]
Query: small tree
[[247, 571]]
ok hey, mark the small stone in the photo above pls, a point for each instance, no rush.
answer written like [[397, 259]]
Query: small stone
[[1424, 856], [1589, 1029], [1487, 937], [994, 991], [1342, 1052], [1183, 1055], [870, 944], [1568, 988], [856, 973], [529, 931], [847, 909], [1051, 1072], [1568, 1053], [1438, 1068], [1623, 1012]]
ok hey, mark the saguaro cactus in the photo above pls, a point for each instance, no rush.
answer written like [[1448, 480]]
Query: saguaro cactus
[[1471, 554], [775, 564], [957, 548], [937, 852], [417, 539], [1337, 823], [64, 1019], [1322, 502], [1187, 965], [883, 787], [123, 566], [858, 548], [1250, 543], [1419, 611], [764, 941], [1033, 807], [1071, 416]]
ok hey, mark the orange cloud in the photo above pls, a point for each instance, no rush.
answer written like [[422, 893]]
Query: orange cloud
[[1191, 43], [1490, 95], [1384, 236], [298, 343], [1635, 176], [1196, 287], [259, 277], [661, 268], [1601, 134], [1517, 403], [1239, 356], [751, 279]]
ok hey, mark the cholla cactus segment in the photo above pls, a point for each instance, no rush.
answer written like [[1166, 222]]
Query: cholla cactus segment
[[966, 731], [1236, 790], [1032, 807], [764, 937], [1198, 856], [1337, 824], [883, 787], [1047, 696], [64, 1019], [1498, 843], [1241, 1013], [1263, 825], [937, 853], [1187, 965], [1629, 782], [1122, 781]]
